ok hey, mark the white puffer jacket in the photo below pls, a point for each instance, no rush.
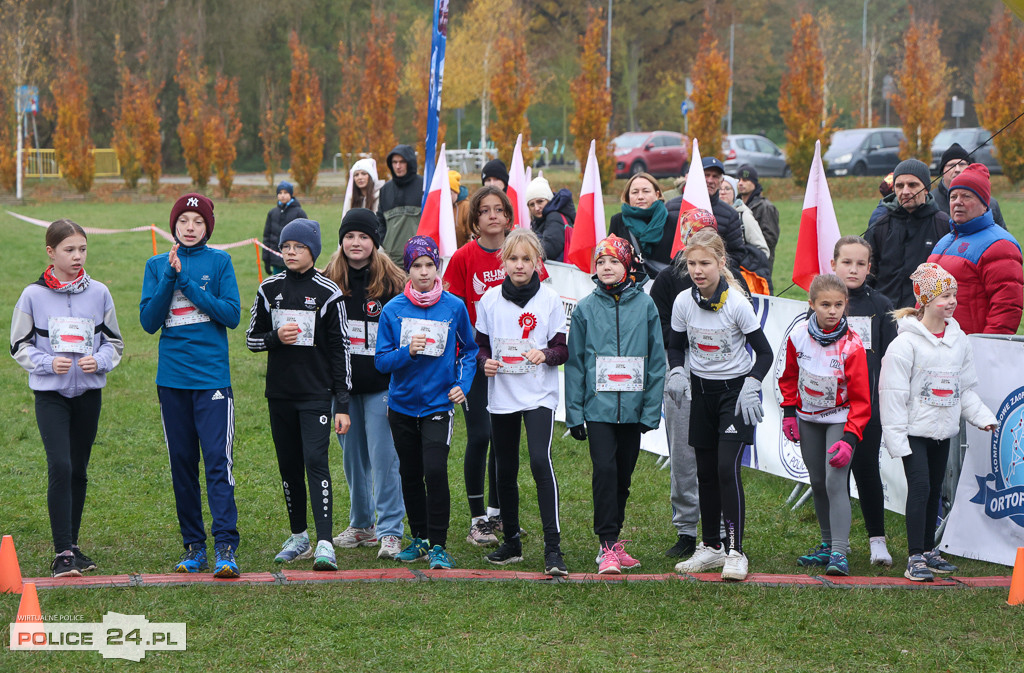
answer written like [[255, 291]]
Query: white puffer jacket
[[926, 386]]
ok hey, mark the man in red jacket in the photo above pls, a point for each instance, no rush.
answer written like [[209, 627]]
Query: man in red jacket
[[984, 258]]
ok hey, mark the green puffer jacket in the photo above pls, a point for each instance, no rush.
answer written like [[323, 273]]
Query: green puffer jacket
[[602, 326]]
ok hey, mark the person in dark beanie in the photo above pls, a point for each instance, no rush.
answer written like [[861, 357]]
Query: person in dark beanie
[[767, 215], [494, 172], [287, 209], [298, 317], [904, 236], [953, 162], [190, 295], [401, 197]]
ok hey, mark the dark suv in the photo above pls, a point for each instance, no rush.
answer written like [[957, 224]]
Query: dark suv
[[863, 151], [660, 153]]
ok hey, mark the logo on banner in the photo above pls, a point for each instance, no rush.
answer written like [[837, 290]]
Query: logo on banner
[[1001, 492], [789, 452]]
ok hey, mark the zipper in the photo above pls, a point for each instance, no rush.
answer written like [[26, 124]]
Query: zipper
[[618, 351]]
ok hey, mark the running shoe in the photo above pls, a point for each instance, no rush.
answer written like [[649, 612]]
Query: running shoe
[[439, 559], [937, 564], [917, 569], [64, 566], [416, 551], [608, 562], [684, 547], [82, 562], [735, 567], [481, 535], [879, 552], [351, 537], [704, 558], [816, 556], [510, 551], [498, 526], [225, 565], [193, 559], [838, 564], [324, 558], [554, 564], [390, 546], [626, 562], [295, 547]]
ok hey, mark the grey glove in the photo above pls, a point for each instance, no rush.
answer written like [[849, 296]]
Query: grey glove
[[677, 385], [748, 403]]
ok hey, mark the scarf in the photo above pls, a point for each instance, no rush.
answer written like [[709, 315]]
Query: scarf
[[617, 289], [718, 298], [423, 299], [71, 287], [520, 296], [647, 224], [826, 338]]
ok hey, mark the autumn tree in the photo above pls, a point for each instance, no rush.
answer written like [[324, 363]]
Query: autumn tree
[[195, 129], [305, 118], [592, 101], [710, 92], [921, 89], [471, 61], [226, 129], [801, 99], [416, 77], [271, 129], [999, 90], [136, 124], [379, 89], [72, 143], [8, 165], [347, 112], [512, 89]]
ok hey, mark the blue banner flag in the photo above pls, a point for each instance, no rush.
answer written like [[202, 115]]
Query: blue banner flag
[[437, 45]]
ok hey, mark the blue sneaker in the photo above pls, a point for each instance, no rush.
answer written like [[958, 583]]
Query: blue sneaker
[[193, 560], [295, 547], [838, 565], [416, 551], [816, 556], [225, 566], [439, 559]]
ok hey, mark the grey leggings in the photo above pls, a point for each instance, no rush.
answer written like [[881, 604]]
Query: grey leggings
[[830, 485]]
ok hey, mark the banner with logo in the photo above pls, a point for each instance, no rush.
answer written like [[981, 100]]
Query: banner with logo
[[987, 519]]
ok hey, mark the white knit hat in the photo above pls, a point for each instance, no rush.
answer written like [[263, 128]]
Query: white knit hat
[[538, 189]]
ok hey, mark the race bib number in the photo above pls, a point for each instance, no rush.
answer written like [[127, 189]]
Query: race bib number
[[711, 345], [511, 353], [941, 388], [71, 335], [435, 331], [306, 320], [620, 374], [861, 324], [183, 312], [362, 337], [818, 391]]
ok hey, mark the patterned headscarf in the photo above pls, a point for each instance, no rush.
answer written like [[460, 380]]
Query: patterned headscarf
[[619, 248], [931, 280], [421, 246], [694, 220]]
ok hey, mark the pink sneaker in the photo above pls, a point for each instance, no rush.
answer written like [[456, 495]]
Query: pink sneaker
[[608, 562], [626, 561]]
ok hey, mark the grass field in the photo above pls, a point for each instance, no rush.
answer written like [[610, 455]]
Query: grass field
[[130, 526]]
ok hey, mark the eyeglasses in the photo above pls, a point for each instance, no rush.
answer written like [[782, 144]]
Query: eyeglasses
[[293, 247]]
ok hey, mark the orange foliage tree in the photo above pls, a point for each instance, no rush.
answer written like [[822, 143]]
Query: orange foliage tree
[[271, 131], [512, 88], [710, 92], [347, 115], [71, 142], [801, 99], [305, 118], [379, 89], [592, 101], [8, 165], [999, 90], [195, 130], [226, 129], [136, 125], [921, 89]]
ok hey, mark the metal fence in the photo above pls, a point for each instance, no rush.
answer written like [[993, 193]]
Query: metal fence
[[43, 163]]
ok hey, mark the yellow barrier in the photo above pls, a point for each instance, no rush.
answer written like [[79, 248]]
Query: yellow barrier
[[43, 163]]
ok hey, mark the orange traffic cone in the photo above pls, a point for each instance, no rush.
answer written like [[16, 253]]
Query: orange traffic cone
[[10, 571], [1017, 581], [28, 610]]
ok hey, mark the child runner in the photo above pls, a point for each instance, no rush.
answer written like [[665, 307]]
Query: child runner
[[614, 381], [926, 387], [712, 324], [826, 402], [368, 279], [867, 313], [64, 333], [521, 333], [299, 318], [425, 341], [191, 296]]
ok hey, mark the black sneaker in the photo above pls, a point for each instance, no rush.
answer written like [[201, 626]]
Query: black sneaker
[[554, 565], [82, 562], [508, 552], [64, 566], [683, 548]]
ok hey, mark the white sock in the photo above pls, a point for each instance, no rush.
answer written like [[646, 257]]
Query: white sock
[[478, 519], [492, 512]]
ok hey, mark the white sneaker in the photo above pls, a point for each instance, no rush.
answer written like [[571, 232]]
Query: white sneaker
[[704, 558], [390, 545], [735, 566], [879, 552], [350, 538]]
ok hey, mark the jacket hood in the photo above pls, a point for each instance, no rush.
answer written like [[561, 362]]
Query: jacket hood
[[983, 221], [562, 203], [914, 326], [407, 153], [926, 209]]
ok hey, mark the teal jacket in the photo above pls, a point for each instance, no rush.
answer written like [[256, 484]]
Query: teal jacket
[[602, 326]]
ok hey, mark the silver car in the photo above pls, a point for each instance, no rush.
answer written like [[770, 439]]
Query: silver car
[[761, 153]]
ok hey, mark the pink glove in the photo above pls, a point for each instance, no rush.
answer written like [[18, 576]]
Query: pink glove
[[791, 429], [843, 453]]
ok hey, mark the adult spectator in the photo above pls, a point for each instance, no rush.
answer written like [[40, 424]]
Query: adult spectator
[[953, 162], [905, 235], [400, 198], [495, 174], [984, 259], [287, 209], [885, 189], [550, 214], [644, 221], [752, 234], [767, 215]]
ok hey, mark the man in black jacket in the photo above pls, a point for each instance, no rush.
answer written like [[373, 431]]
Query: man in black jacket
[[401, 197], [764, 211], [287, 209]]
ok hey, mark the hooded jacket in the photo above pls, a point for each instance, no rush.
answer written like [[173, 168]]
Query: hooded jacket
[[558, 214], [767, 216], [399, 206], [941, 196], [279, 215], [927, 386]]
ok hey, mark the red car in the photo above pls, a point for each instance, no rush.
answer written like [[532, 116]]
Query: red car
[[661, 153]]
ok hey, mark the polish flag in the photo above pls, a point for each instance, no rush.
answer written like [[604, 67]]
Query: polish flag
[[819, 228], [695, 195], [438, 219], [517, 182], [589, 226]]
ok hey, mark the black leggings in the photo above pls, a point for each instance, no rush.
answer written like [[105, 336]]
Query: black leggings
[[478, 459], [302, 434], [925, 468], [422, 445], [539, 426], [67, 426], [721, 493], [614, 449], [864, 468]]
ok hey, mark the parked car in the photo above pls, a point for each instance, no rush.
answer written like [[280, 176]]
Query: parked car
[[661, 153], [863, 151], [764, 155], [971, 139]]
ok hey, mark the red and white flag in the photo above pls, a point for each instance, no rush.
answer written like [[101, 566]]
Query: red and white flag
[[517, 182], [819, 228], [589, 226], [695, 194], [438, 219]]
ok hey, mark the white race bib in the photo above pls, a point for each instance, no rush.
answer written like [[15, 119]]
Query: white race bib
[[709, 344], [818, 391], [511, 354], [362, 337], [306, 320], [71, 335], [861, 324], [620, 374], [435, 331], [183, 312], [941, 388]]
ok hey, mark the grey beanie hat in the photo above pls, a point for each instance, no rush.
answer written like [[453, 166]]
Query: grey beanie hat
[[918, 169]]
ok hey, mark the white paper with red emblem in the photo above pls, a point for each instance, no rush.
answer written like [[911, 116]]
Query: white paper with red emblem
[[435, 331], [362, 337], [183, 312], [511, 353], [941, 388], [619, 374], [71, 335], [306, 320]]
